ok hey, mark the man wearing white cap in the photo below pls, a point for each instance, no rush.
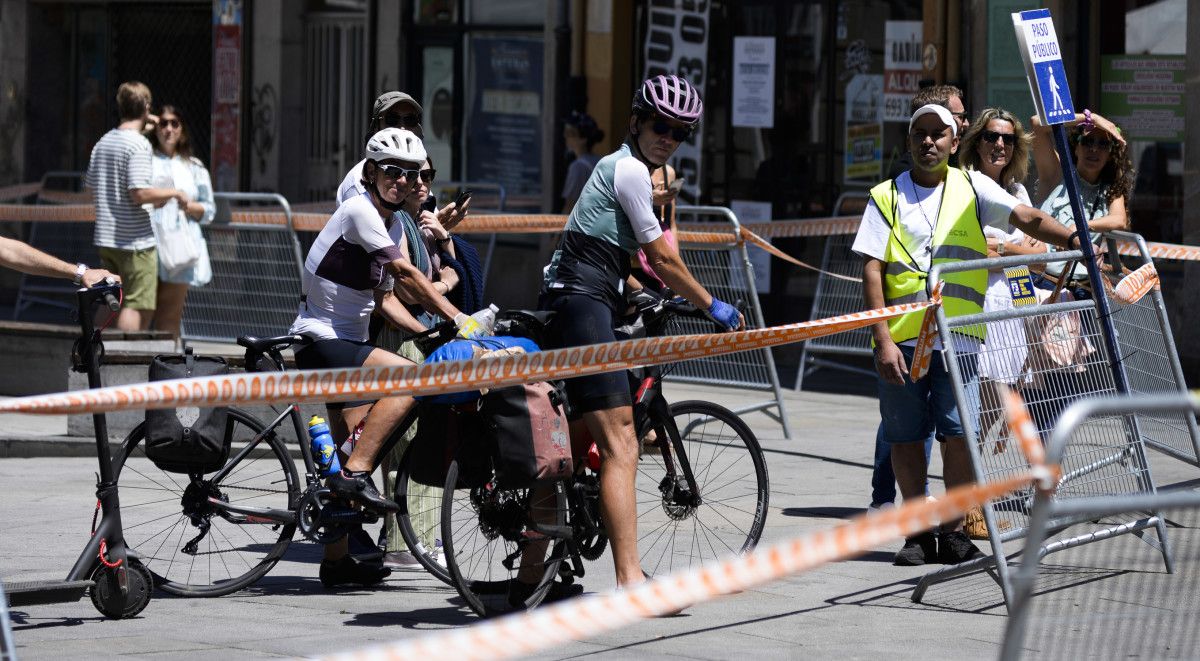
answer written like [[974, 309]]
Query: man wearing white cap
[[932, 211]]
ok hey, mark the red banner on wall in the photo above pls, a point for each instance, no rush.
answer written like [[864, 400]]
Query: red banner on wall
[[227, 87]]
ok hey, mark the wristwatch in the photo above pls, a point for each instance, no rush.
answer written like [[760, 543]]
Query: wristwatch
[[1000, 248], [80, 269]]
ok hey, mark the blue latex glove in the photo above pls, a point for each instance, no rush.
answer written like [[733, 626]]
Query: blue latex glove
[[724, 314]]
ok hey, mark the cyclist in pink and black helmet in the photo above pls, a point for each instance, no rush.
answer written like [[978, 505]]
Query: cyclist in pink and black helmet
[[588, 282]]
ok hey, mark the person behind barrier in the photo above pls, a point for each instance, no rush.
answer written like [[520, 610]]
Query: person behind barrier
[[588, 279], [1105, 179], [119, 177], [20, 256], [174, 166], [348, 262], [932, 213], [580, 133], [391, 110]]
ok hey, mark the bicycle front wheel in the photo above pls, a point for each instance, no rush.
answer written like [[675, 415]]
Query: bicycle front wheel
[[498, 562], [195, 549], [681, 527]]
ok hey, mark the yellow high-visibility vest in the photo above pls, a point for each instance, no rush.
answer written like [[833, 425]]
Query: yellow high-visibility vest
[[957, 235]]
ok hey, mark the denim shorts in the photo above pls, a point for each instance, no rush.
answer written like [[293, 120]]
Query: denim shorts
[[913, 411]]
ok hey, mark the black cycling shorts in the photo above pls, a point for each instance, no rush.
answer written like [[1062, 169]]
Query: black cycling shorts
[[581, 320], [332, 354]]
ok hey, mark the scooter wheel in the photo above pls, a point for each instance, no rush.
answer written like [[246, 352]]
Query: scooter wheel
[[106, 593]]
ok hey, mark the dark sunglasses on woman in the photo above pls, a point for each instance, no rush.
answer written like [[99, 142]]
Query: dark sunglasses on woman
[[407, 120], [1092, 142], [990, 137], [678, 133], [427, 175]]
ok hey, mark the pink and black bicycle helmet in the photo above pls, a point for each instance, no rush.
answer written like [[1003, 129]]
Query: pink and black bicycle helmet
[[669, 96]]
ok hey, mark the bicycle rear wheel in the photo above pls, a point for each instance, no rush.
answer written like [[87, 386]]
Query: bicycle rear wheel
[[488, 542], [677, 528], [192, 548], [419, 520]]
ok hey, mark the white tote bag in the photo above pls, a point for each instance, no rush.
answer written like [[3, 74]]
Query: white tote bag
[[177, 246]]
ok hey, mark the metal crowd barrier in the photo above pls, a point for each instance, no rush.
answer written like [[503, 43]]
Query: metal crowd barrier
[[726, 272], [1160, 610], [1152, 362], [67, 241], [256, 274], [837, 296], [1054, 354]]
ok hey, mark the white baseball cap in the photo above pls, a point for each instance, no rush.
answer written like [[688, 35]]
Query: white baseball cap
[[941, 111]]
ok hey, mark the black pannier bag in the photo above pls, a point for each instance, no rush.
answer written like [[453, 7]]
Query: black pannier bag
[[446, 432], [189, 439], [528, 428]]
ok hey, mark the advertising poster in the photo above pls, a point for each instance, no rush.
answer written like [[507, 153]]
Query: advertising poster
[[1144, 95], [754, 82], [227, 87], [749, 211], [864, 130], [677, 43], [901, 68], [437, 101], [504, 129]]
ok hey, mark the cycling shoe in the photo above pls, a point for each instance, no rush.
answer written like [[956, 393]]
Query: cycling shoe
[[360, 488], [348, 571]]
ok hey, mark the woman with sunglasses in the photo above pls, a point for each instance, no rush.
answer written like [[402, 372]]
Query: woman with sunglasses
[[588, 280], [1105, 179], [174, 166]]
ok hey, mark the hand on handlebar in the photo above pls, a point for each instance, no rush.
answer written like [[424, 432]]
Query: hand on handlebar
[[726, 315]]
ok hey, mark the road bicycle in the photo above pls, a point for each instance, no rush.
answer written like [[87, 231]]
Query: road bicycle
[[208, 535], [702, 493], [108, 569]]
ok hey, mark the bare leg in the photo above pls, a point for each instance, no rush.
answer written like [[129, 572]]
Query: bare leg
[[957, 460], [129, 319], [168, 310], [908, 461], [616, 439]]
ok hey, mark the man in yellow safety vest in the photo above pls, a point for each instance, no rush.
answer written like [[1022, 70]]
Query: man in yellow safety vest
[[930, 214]]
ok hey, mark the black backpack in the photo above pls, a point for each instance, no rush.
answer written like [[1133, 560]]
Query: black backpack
[[190, 439]]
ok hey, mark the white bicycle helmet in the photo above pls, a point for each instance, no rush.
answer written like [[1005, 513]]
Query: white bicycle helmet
[[397, 144]]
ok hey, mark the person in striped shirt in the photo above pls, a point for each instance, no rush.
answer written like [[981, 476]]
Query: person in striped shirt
[[119, 178]]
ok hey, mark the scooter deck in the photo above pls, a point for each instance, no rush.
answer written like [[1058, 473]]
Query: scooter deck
[[32, 593]]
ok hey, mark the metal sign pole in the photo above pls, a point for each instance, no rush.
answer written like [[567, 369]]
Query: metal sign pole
[[1103, 309]]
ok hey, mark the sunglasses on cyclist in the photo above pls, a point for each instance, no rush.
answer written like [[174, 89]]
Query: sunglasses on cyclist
[[172, 123], [394, 172], [678, 133], [427, 175], [991, 137], [1092, 142], [407, 120]]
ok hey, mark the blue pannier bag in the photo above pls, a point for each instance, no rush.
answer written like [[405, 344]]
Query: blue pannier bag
[[465, 350]]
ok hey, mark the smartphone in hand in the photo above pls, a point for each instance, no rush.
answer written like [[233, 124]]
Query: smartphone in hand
[[462, 198], [676, 185]]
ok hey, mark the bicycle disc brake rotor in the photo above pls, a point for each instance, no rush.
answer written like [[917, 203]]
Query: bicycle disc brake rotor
[[312, 516], [677, 499]]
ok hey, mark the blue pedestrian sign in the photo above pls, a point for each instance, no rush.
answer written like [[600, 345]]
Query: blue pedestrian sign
[[1044, 66]]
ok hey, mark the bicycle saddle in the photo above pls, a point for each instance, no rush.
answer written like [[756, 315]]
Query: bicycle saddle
[[265, 344]]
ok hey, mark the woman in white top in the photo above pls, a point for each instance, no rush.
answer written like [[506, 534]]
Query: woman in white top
[[174, 166]]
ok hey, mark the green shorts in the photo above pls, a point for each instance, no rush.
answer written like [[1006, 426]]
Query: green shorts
[[139, 275]]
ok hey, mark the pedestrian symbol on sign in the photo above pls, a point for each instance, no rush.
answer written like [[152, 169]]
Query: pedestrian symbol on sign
[[1057, 107]]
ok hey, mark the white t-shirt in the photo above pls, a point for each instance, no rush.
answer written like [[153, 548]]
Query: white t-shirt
[[347, 262], [351, 185], [918, 208]]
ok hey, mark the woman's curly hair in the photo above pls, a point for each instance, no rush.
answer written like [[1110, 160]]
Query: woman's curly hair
[[1018, 166], [1118, 173]]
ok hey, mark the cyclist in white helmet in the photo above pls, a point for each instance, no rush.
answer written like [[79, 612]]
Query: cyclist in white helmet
[[352, 262], [588, 280]]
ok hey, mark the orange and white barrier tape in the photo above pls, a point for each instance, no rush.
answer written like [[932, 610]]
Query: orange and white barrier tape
[[529, 632], [1161, 250], [340, 385], [73, 213], [1131, 288], [923, 353]]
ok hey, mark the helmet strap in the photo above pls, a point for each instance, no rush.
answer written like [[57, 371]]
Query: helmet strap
[[637, 152], [382, 200]]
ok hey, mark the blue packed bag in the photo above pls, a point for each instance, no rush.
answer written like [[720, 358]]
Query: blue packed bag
[[465, 350]]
